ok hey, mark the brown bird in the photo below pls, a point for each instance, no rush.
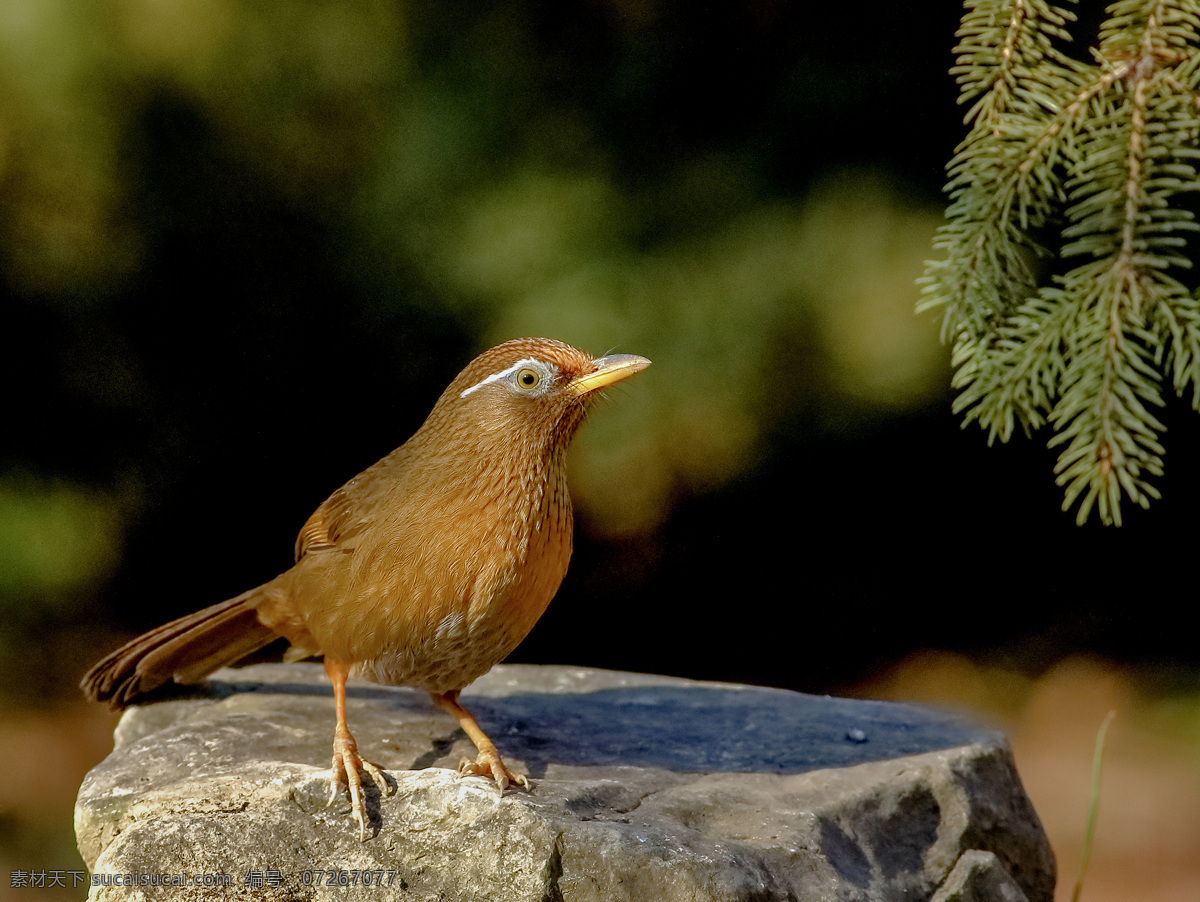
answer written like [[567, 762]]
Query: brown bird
[[424, 570]]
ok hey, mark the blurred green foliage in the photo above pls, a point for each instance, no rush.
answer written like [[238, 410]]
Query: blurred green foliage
[[54, 540], [59, 543], [453, 146]]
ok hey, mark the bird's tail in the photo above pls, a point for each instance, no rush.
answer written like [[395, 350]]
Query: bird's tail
[[186, 650]]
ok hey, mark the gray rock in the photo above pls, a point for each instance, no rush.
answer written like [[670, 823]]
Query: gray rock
[[644, 788], [979, 877]]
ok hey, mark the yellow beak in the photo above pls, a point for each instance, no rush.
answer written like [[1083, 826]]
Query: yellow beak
[[608, 371]]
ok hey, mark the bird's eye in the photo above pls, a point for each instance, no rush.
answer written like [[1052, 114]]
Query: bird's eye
[[528, 378]]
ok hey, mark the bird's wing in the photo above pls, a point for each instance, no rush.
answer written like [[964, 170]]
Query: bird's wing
[[327, 526], [337, 523]]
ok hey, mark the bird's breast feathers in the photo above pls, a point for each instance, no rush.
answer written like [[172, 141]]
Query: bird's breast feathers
[[480, 565]]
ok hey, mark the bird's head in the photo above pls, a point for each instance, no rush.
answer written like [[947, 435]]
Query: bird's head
[[531, 391]]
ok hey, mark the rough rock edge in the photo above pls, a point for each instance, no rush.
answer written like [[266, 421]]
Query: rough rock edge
[[985, 762]]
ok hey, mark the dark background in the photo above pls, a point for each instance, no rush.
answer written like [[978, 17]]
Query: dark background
[[243, 302]]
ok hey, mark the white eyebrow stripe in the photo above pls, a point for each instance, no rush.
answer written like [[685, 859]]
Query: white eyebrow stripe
[[495, 377]]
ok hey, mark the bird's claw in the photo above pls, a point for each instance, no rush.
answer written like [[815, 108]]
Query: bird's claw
[[491, 764], [347, 771]]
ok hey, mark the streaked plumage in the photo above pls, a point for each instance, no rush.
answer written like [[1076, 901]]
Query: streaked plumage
[[424, 570]]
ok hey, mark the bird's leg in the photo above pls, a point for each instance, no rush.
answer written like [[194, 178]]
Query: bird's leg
[[489, 760], [348, 766]]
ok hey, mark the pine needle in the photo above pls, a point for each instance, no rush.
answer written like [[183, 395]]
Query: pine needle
[[1063, 282]]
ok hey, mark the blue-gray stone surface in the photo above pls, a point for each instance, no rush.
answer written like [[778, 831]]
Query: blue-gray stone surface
[[644, 788]]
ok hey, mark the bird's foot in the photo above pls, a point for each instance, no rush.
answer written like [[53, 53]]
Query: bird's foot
[[489, 763], [348, 768]]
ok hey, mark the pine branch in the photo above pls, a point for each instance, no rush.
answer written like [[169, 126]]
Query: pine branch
[[1007, 59], [1121, 218], [1177, 325], [1017, 378], [1108, 148]]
